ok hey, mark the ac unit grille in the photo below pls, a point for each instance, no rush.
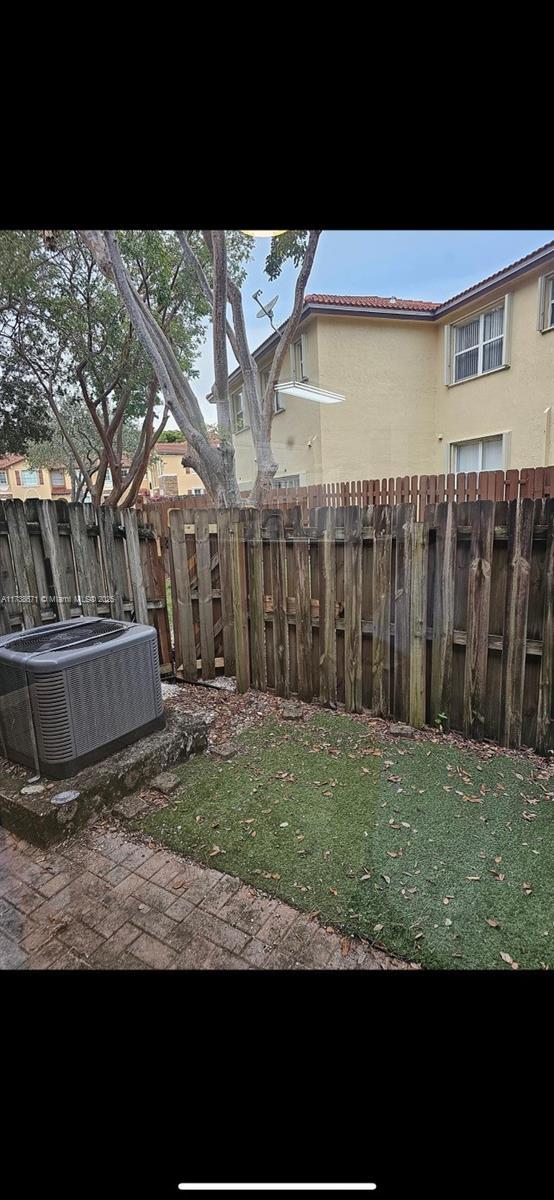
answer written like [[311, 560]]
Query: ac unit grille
[[64, 639], [110, 696], [14, 709], [54, 732]]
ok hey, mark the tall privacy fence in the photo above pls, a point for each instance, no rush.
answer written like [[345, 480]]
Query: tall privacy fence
[[449, 618], [60, 560], [530, 483]]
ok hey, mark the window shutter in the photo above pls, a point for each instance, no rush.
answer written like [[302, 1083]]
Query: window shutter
[[542, 303], [18, 478], [40, 477], [447, 355], [506, 341]]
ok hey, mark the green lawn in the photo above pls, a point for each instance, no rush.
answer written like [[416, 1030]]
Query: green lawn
[[381, 838]]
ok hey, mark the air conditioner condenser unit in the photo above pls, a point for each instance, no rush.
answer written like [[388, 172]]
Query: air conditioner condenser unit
[[77, 691]]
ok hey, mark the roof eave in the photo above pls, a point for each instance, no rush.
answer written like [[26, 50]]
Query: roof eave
[[483, 289]]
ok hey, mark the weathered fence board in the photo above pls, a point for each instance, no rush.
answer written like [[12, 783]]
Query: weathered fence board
[[256, 599], [520, 541], [51, 570], [402, 600], [353, 609], [481, 517], [325, 524], [443, 622], [382, 575]]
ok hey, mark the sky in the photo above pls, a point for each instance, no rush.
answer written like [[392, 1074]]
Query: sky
[[411, 264]]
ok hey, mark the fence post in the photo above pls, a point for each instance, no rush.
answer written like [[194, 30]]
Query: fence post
[[382, 562], [353, 609], [418, 625], [205, 608], [135, 565], [402, 594], [520, 544], [303, 607], [256, 599], [544, 739], [326, 525], [240, 597], [274, 524], [443, 616], [481, 516], [185, 643]]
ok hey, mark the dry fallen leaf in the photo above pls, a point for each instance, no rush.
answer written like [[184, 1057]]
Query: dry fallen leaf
[[394, 778], [214, 851], [333, 891], [492, 922], [448, 921], [527, 888], [378, 928], [475, 877], [345, 946], [474, 799], [508, 959]]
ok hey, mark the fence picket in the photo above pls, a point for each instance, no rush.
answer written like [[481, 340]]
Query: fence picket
[[353, 609], [520, 541], [481, 516], [545, 725], [443, 619], [326, 523], [382, 574], [205, 610], [418, 624], [402, 600], [185, 643], [301, 554], [256, 599]]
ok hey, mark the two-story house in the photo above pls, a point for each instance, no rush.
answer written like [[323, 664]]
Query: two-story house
[[465, 384], [20, 481]]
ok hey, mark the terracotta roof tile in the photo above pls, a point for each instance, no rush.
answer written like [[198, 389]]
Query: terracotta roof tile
[[10, 460], [390, 302]]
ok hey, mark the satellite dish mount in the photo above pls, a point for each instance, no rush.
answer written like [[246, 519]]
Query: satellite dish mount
[[266, 310]]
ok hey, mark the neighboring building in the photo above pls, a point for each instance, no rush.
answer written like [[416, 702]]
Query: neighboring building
[[20, 481], [166, 475], [462, 385]]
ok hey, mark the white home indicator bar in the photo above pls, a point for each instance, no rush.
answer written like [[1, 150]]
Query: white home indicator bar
[[277, 1187]]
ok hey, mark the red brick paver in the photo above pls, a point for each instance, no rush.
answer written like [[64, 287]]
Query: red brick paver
[[104, 902]]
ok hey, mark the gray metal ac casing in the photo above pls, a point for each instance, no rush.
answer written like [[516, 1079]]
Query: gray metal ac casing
[[85, 701]]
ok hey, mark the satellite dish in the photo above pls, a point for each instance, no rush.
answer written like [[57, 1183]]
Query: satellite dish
[[266, 310]]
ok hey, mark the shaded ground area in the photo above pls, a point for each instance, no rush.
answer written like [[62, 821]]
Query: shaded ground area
[[429, 847]]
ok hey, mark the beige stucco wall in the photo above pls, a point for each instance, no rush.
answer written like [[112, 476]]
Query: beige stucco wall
[[293, 429], [386, 371], [169, 463], [510, 400]]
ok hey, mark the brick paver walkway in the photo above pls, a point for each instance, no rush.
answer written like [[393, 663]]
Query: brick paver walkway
[[103, 901]]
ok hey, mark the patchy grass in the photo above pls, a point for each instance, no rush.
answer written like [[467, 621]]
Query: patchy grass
[[413, 845]]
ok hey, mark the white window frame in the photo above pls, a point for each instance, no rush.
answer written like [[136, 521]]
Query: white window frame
[[198, 491], [450, 342], [4, 484], [108, 481], [546, 303], [52, 474], [30, 471], [238, 412], [452, 448], [303, 377]]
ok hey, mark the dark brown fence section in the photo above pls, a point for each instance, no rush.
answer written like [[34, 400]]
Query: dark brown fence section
[[449, 619], [60, 560]]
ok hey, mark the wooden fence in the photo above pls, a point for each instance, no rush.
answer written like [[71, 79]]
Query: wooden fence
[[450, 618], [60, 560], [533, 483], [446, 618]]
